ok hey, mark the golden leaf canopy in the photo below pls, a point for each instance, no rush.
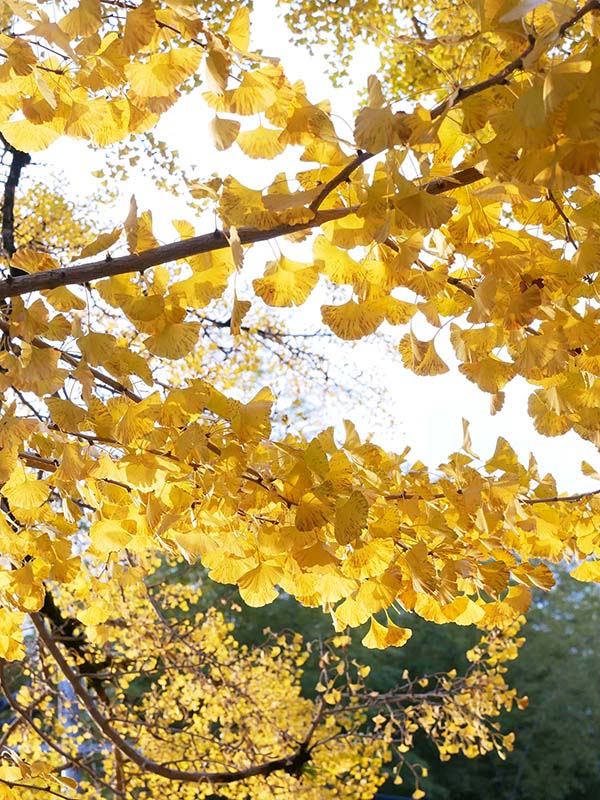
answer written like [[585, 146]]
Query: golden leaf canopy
[[461, 201]]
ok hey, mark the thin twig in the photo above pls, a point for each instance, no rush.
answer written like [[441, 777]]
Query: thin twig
[[566, 220]]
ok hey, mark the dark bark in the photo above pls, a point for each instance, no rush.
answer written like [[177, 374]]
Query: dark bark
[[19, 160]]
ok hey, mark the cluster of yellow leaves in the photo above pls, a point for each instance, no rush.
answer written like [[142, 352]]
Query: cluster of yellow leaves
[[183, 690], [98, 75], [188, 469], [191, 471], [482, 211]]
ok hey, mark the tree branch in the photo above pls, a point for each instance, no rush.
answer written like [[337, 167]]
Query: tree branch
[[494, 80], [287, 764], [48, 740], [33, 788], [207, 243], [73, 360], [515, 65], [455, 98], [568, 498], [342, 176]]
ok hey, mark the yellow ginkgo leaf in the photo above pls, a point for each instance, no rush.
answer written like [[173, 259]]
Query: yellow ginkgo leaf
[[240, 205], [29, 138], [25, 492], [286, 283], [217, 65], [63, 299], [96, 613], [175, 340], [397, 636], [253, 419], [96, 347], [396, 312], [101, 243], [239, 311], [463, 611], [340, 472], [238, 32], [33, 260], [65, 414], [161, 73], [350, 517], [490, 374], [315, 458], [285, 200], [352, 320], [379, 636], [141, 308], [224, 132], [375, 92], [377, 129], [83, 20], [255, 93], [131, 225], [313, 511], [421, 569], [369, 559], [545, 417], [426, 210], [257, 587], [108, 535], [19, 54], [563, 80], [588, 571], [335, 263], [139, 27], [428, 608], [262, 142], [421, 357], [375, 638], [11, 639]]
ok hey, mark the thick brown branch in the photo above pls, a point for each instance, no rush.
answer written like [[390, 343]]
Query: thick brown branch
[[186, 248], [174, 251], [494, 80], [287, 764], [459, 94], [528, 501]]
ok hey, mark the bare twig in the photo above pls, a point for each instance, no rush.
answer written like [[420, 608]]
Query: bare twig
[[568, 498]]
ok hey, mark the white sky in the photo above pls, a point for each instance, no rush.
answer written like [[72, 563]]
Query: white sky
[[428, 411]]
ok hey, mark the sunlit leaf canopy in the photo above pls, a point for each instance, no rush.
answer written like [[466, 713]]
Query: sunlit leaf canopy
[[467, 198]]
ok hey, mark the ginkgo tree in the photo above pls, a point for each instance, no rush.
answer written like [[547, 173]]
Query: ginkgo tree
[[466, 198]]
